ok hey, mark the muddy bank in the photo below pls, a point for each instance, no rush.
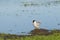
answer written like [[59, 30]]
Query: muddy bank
[[40, 32], [44, 32], [32, 33]]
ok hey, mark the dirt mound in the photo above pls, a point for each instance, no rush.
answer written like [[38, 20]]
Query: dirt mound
[[40, 32]]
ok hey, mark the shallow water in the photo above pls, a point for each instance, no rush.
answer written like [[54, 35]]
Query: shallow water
[[16, 15]]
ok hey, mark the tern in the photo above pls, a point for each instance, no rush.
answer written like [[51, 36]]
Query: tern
[[36, 24]]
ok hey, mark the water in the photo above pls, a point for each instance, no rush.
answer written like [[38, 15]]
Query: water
[[16, 15]]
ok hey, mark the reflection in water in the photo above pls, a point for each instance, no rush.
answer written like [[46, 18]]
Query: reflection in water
[[59, 24], [10, 30], [26, 4]]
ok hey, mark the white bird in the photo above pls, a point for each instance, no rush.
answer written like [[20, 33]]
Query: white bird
[[36, 24]]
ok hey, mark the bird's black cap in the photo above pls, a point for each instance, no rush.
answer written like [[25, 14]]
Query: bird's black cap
[[33, 21]]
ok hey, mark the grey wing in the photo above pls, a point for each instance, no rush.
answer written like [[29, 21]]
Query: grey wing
[[38, 23]]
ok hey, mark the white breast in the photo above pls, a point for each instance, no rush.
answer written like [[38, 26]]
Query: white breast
[[36, 24]]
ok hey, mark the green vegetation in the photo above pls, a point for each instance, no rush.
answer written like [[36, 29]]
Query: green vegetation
[[55, 36]]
